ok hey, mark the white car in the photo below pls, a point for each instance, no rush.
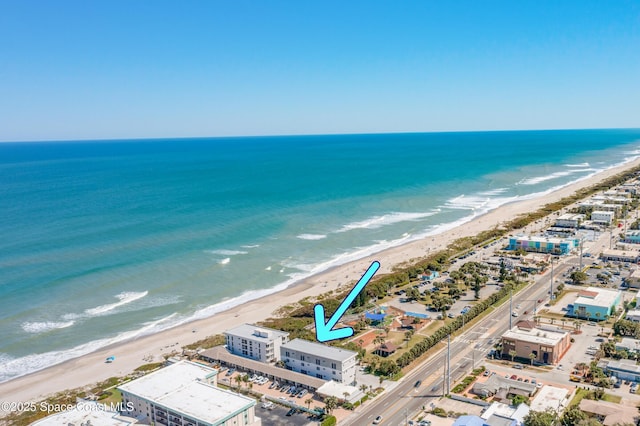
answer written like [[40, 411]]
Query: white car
[[514, 314]]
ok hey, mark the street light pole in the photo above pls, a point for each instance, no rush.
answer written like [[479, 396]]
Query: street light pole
[[551, 292]]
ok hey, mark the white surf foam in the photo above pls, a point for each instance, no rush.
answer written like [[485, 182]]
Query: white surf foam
[[555, 175], [11, 368], [375, 222], [251, 246], [227, 252], [311, 236], [496, 191], [36, 327], [467, 202], [224, 261], [124, 298], [578, 165], [268, 268]]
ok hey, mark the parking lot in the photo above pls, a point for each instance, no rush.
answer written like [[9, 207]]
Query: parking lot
[[277, 415]]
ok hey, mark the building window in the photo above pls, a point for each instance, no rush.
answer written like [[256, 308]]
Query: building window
[[333, 365], [287, 354], [317, 362]]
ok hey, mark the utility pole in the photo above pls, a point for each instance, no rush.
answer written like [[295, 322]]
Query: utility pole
[[448, 364], [510, 308], [581, 243], [551, 292]]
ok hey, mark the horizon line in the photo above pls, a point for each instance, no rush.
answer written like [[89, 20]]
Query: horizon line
[[159, 138]]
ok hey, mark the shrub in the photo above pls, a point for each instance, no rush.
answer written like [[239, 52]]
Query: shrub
[[329, 421]]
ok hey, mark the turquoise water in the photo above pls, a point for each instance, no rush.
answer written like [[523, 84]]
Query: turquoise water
[[102, 241]]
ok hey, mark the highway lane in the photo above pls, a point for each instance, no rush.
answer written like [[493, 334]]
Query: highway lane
[[403, 401]]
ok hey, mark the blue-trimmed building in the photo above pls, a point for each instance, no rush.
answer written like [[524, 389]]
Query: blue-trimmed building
[[595, 304], [543, 244]]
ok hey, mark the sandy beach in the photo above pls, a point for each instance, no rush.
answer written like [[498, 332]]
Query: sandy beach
[[91, 368]]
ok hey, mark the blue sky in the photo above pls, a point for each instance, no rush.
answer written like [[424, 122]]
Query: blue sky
[[135, 69]]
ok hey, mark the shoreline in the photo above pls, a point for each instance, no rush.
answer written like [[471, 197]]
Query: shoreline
[[91, 368]]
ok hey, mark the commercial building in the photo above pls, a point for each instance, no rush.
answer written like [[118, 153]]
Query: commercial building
[[547, 345], [632, 237], [318, 360], [615, 255], [184, 394], [602, 217], [624, 369], [569, 220], [259, 343], [595, 303], [543, 244]]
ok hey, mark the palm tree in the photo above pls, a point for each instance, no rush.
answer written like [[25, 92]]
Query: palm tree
[[532, 356], [238, 380], [363, 388], [330, 404], [512, 354], [308, 401], [346, 395], [360, 342]]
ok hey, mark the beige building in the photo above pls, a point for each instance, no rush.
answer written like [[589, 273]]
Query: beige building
[[548, 345]]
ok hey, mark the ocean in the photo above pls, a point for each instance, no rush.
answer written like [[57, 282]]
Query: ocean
[[104, 241]]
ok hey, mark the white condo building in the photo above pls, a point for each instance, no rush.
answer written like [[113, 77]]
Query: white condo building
[[259, 343], [321, 361], [602, 217], [184, 394]]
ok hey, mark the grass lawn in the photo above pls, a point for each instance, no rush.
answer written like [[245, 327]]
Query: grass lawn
[[583, 393]]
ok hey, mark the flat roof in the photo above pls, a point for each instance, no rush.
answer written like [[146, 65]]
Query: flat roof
[[549, 397], [87, 411], [158, 384], [571, 216], [602, 212], [626, 365], [629, 343], [248, 331], [543, 239], [535, 335], [219, 353], [318, 349], [202, 401], [601, 297]]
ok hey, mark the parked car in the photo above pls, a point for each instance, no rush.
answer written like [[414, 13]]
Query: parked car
[[303, 393], [518, 366]]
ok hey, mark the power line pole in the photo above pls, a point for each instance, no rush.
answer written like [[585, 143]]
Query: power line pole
[[448, 364], [510, 308]]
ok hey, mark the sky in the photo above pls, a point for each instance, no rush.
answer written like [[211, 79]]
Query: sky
[[145, 69]]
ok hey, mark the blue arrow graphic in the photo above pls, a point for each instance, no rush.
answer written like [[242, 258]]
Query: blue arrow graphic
[[324, 332]]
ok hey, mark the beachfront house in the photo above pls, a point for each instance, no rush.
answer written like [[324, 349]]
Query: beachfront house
[[185, 394], [259, 343], [321, 361], [595, 303]]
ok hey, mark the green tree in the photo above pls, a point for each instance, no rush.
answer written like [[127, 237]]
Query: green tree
[[330, 404], [578, 277], [539, 418], [572, 416], [512, 354], [519, 399], [309, 401], [532, 357]]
